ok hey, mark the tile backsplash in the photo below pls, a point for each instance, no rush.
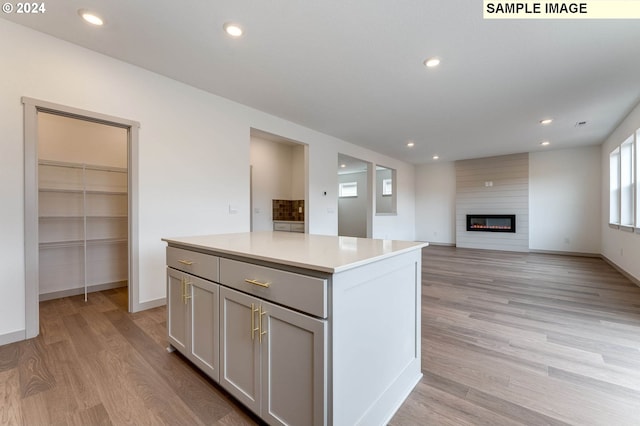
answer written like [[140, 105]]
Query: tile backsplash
[[288, 210]]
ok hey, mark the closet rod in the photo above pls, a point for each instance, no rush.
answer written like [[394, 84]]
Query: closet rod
[[81, 166]]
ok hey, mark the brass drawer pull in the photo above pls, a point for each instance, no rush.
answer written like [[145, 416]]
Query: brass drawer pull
[[256, 282], [185, 262]]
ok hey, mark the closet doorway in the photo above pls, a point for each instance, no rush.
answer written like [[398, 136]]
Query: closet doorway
[[79, 205]]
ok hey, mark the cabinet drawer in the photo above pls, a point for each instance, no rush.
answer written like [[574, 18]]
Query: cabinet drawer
[[199, 264], [281, 226], [297, 227], [301, 292]]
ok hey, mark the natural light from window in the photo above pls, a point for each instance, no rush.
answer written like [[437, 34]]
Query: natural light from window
[[614, 186], [627, 189], [348, 189], [624, 194]]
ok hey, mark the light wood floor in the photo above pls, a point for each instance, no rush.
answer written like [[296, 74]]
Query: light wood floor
[[508, 339]]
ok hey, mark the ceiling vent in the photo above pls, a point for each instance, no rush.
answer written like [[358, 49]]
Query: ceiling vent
[[581, 123]]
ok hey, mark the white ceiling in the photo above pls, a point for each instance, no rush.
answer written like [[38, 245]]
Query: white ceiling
[[353, 68]]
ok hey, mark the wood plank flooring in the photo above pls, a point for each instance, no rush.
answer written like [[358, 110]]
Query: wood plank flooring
[[525, 339], [508, 339]]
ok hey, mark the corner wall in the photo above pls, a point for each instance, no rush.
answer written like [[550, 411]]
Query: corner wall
[[564, 200]]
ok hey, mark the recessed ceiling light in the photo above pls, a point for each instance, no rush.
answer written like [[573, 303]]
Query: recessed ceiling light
[[232, 29], [435, 157], [91, 17], [411, 144], [431, 62], [343, 165], [546, 121], [545, 143]]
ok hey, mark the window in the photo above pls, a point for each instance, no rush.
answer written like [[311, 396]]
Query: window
[[627, 188], [636, 168], [614, 186], [387, 187], [348, 189], [623, 190]]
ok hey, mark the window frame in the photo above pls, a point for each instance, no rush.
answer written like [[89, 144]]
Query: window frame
[[343, 185]]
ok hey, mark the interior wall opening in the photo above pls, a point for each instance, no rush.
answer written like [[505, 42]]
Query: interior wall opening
[[71, 222], [82, 206], [354, 197], [279, 183]]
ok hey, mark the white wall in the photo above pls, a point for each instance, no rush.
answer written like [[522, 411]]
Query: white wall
[[564, 200], [193, 156], [620, 247], [352, 211], [436, 203], [297, 172], [78, 141]]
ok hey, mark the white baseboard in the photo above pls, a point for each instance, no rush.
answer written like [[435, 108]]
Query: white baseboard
[[150, 304], [627, 275], [14, 336], [80, 290], [565, 253]]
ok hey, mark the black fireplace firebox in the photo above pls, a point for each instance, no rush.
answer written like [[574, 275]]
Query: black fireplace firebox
[[491, 222]]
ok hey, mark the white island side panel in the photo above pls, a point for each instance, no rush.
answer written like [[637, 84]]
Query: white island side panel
[[376, 339]]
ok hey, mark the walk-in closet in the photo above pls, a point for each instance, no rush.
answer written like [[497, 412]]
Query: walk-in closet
[[82, 206]]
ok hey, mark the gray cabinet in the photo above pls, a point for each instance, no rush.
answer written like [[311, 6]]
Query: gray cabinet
[[314, 330], [193, 319], [273, 359], [288, 226]]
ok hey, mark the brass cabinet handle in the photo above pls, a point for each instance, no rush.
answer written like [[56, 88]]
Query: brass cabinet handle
[[254, 309], [262, 313], [185, 293], [185, 262], [258, 283]]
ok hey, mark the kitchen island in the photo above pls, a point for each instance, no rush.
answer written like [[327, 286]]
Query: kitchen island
[[302, 329]]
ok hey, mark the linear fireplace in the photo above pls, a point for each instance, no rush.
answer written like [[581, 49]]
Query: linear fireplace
[[491, 222]]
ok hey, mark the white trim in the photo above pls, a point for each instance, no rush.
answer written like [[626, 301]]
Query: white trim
[[14, 336], [80, 290], [150, 304], [31, 109]]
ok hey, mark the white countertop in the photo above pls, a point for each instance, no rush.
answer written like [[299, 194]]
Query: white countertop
[[316, 252]]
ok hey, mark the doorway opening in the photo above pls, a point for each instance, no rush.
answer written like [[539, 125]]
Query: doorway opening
[[80, 205], [279, 183], [354, 197]]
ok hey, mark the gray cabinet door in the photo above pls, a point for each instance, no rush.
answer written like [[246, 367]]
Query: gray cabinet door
[[176, 311], [203, 316], [239, 346], [273, 359], [293, 367]]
